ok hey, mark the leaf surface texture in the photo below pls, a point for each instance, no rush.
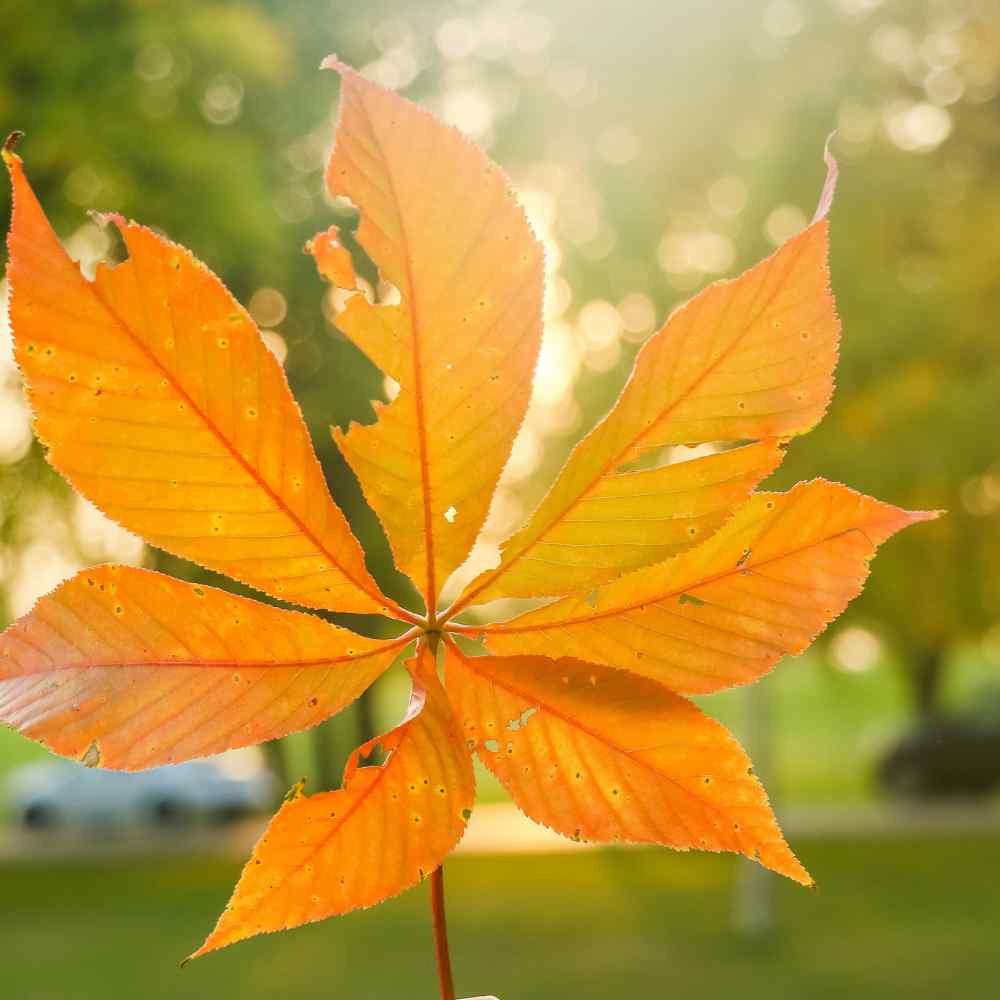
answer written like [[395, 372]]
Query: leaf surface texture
[[130, 669], [751, 358], [386, 829], [159, 402], [439, 221], [602, 755], [725, 612]]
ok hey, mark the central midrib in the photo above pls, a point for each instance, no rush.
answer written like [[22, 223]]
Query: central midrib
[[430, 597], [319, 661]]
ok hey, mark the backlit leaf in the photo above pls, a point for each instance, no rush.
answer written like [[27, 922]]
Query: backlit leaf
[[386, 829], [439, 221], [602, 755], [746, 359], [635, 518], [725, 612], [160, 402], [127, 668]]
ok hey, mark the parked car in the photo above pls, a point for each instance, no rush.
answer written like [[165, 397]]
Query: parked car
[[63, 794], [948, 755]]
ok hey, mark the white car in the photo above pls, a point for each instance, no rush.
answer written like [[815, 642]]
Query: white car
[[64, 794]]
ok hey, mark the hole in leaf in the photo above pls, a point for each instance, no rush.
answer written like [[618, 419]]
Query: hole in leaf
[[522, 720], [92, 758]]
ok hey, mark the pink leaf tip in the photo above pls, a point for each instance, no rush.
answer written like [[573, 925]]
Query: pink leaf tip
[[830, 184], [332, 61]]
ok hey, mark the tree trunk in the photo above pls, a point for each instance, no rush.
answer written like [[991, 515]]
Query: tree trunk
[[277, 761], [365, 717], [927, 679], [753, 904], [324, 747]]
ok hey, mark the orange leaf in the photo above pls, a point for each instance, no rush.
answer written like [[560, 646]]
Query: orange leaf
[[632, 519], [385, 830], [744, 359], [602, 755], [127, 668], [438, 220], [160, 402], [725, 612]]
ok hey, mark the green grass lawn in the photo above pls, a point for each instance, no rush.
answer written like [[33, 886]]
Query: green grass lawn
[[916, 919]]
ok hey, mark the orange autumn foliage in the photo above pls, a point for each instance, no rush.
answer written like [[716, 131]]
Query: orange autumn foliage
[[157, 399]]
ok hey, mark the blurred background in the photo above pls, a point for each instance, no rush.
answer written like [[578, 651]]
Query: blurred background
[[656, 146]]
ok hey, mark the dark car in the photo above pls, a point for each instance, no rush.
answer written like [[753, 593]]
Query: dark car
[[949, 755]]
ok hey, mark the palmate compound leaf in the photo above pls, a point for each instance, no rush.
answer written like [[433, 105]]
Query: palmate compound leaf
[[603, 755], [670, 571], [724, 613], [126, 668], [751, 358], [160, 402], [385, 830], [440, 223]]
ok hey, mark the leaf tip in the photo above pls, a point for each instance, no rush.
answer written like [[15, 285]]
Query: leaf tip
[[830, 184], [787, 864], [906, 518], [334, 62], [8, 146], [208, 945], [103, 219]]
